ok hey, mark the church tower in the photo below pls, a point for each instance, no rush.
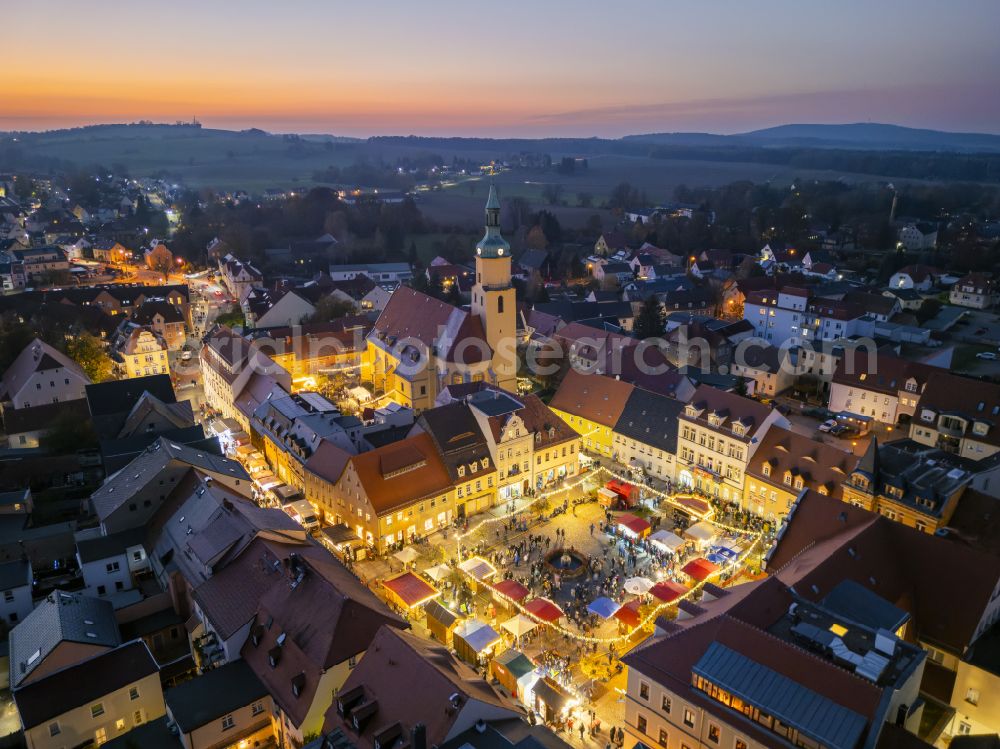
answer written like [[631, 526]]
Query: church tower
[[493, 299]]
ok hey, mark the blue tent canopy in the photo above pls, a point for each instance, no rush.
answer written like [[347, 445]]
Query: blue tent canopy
[[603, 607]]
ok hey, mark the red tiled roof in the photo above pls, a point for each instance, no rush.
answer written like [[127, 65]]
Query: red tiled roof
[[401, 472], [634, 523], [826, 541], [328, 617], [412, 680], [594, 397]]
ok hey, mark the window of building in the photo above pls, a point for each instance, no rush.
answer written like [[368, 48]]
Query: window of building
[[640, 723], [96, 711], [257, 708], [100, 736], [228, 722], [972, 696], [688, 718], [120, 724], [740, 744], [137, 717], [133, 693], [54, 729], [662, 738], [714, 733], [665, 704], [643, 691]]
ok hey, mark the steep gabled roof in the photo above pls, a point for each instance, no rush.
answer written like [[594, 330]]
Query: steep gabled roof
[[393, 664], [319, 617], [593, 397]]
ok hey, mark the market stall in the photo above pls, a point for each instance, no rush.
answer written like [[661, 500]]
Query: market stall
[[603, 607], [633, 526], [700, 569], [510, 666], [519, 625], [702, 534], [628, 615], [441, 621], [544, 610], [506, 593], [474, 641], [551, 702], [668, 591], [479, 570], [409, 590], [666, 541]]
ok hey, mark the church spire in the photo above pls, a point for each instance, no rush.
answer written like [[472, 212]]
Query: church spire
[[493, 244]]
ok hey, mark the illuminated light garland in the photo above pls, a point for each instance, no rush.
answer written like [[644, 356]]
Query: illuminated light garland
[[651, 617], [757, 537]]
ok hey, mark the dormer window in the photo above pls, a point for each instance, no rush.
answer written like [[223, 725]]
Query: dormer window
[[766, 469], [461, 470], [298, 683], [739, 430], [788, 478], [798, 482], [473, 467], [980, 428], [486, 463]]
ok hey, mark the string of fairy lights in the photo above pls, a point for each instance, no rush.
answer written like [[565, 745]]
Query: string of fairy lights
[[755, 538]]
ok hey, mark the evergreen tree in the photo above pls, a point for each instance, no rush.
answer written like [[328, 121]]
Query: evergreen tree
[[650, 321]]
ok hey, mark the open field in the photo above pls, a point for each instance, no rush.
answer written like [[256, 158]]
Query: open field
[[254, 161]]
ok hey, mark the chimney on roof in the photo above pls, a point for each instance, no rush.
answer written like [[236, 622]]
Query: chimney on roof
[[418, 737]]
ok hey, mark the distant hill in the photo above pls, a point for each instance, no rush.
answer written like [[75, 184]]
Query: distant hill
[[862, 135]]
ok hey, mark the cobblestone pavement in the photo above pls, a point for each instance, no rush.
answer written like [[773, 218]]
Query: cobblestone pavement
[[595, 674]]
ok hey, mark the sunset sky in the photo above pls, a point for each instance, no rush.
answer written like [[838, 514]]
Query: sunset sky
[[516, 67]]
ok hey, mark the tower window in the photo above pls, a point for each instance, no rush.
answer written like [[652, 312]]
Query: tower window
[[500, 305]]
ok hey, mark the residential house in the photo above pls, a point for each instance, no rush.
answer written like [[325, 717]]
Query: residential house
[[111, 564], [592, 404], [237, 375], [226, 706], [16, 587], [401, 489], [784, 464], [384, 274], [762, 666], [274, 308], [793, 315], [288, 430], [41, 262], [885, 388], [41, 375], [378, 706], [164, 319], [916, 277], [26, 428], [719, 433], [88, 702], [916, 237], [532, 447], [958, 415], [825, 543], [309, 634], [63, 630], [110, 251], [974, 290], [138, 351], [133, 495], [239, 276], [465, 452], [771, 369], [645, 434], [908, 483], [309, 350]]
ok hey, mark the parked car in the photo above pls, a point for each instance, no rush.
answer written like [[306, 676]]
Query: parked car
[[828, 426], [988, 355], [841, 430]]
